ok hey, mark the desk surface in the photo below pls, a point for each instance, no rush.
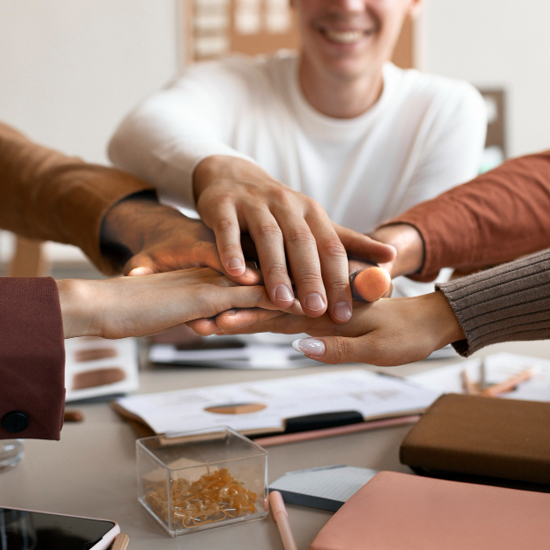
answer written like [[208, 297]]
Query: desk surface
[[91, 471]]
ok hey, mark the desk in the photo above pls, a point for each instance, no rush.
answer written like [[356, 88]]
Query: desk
[[91, 471]]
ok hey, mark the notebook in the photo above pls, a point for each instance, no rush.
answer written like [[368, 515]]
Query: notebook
[[395, 511], [322, 488], [482, 436]]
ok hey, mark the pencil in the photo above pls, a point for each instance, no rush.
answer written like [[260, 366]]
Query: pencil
[[467, 383], [339, 430], [121, 542], [509, 384], [281, 517]]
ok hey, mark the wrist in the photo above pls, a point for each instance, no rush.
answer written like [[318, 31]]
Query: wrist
[[445, 325], [206, 171], [409, 244], [74, 299], [132, 222], [224, 167]]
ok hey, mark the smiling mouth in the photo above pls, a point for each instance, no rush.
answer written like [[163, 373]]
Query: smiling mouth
[[345, 37]]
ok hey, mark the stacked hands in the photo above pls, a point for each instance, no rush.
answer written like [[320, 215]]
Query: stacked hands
[[292, 277]]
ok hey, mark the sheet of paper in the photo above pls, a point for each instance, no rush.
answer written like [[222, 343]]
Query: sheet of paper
[[250, 356], [498, 367], [372, 395]]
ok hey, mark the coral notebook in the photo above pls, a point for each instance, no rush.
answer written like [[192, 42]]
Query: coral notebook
[[395, 511]]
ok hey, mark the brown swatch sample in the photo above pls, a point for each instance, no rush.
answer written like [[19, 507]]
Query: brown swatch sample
[[97, 377], [93, 354], [236, 408]]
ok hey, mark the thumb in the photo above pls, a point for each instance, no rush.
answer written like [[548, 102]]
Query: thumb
[[365, 247], [335, 349], [140, 264]]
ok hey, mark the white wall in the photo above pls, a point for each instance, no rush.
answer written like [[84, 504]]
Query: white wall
[[71, 69], [496, 43]]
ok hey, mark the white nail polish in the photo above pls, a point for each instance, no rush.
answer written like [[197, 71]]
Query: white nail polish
[[310, 346]]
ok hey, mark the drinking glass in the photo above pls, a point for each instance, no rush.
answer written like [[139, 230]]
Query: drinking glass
[[11, 453]]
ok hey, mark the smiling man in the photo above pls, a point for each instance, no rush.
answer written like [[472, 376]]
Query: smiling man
[[287, 146]]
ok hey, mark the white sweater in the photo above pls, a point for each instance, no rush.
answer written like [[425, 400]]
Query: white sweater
[[424, 135]]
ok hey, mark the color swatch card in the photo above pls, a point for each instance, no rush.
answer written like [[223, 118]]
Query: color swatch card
[[95, 367]]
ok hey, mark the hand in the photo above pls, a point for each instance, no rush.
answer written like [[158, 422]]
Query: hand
[[145, 237], [388, 332], [138, 306], [235, 196], [369, 283]]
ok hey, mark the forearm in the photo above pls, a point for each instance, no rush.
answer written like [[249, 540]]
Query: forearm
[[496, 217], [506, 303], [48, 196]]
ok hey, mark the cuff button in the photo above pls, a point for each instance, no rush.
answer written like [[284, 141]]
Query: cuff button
[[15, 421]]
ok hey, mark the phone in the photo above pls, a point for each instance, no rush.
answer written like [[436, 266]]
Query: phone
[[32, 530]]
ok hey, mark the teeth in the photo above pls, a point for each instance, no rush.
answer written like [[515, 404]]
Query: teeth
[[345, 37]]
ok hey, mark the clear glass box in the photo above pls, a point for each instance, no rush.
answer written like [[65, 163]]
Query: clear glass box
[[203, 479]]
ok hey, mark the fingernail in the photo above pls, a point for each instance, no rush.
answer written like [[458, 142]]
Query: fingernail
[[314, 301], [342, 311], [235, 263], [283, 293], [140, 271], [310, 346]]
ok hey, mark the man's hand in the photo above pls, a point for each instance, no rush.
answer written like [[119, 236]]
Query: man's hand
[[139, 306], [389, 332], [145, 237], [235, 196]]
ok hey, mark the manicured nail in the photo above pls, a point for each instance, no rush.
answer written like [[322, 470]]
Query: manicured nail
[[283, 293], [342, 312], [235, 264], [310, 346], [140, 271], [315, 301]]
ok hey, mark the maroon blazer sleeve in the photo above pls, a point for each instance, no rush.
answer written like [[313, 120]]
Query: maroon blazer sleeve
[[32, 359]]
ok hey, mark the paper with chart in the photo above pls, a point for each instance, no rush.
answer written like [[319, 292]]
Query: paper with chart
[[263, 406]]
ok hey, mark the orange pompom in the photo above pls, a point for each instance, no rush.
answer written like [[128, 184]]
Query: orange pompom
[[372, 283]]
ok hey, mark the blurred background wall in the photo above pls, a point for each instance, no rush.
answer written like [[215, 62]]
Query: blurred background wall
[[71, 69]]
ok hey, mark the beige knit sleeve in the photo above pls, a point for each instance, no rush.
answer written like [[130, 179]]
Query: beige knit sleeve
[[510, 302]]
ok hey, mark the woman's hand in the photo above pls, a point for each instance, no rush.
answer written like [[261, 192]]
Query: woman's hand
[[138, 306], [389, 332]]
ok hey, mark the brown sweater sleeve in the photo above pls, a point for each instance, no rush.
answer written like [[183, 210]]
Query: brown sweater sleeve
[[48, 196], [497, 217], [506, 303], [32, 359]]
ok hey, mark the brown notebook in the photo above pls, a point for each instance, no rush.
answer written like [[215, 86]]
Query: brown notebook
[[396, 511], [482, 436]]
